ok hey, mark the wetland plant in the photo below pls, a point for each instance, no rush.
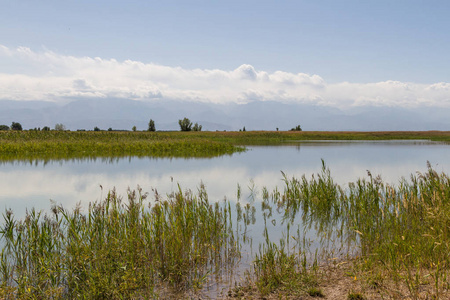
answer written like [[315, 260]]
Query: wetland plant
[[117, 249], [392, 236]]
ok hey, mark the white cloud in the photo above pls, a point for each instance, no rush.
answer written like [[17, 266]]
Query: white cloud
[[47, 75]]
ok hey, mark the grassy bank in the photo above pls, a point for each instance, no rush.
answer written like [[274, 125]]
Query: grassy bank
[[389, 242], [378, 241], [274, 137], [66, 144]]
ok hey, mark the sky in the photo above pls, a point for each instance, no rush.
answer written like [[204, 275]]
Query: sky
[[336, 53]]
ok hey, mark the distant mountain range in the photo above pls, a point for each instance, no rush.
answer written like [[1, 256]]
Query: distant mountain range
[[258, 115]]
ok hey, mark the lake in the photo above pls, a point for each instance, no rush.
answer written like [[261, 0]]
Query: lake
[[37, 183], [26, 184]]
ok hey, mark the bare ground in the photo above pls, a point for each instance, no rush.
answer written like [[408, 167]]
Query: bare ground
[[339, 282]]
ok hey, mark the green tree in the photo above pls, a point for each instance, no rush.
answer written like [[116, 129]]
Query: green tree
[[151, 125], [134, 128], [4, 127], [16, 126], [60, 127], [297, 128], [45, 128], [197, 127], [96, 128], [185, 124], [110, 129]]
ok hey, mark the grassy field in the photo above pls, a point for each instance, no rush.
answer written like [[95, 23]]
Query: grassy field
[[66, 144], [273, 137], [387, 242]]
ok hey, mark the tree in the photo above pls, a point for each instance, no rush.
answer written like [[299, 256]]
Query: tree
[[185, 124], [60, 127], [134, 128], [197, 127], [45, 128], [151, 125], [4, 127], [298, 128], [16, 126], [243, 129], [110, 129], [96, 128]]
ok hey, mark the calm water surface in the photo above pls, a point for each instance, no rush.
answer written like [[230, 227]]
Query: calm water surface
[[25, 184]]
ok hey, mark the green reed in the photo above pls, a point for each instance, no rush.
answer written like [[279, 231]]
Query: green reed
[[118, 249], [277, 267], [66, 144], [81, 144], [126, 249], [401, 232]]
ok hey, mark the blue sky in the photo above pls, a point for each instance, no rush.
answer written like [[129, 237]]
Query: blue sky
[[355, 42]]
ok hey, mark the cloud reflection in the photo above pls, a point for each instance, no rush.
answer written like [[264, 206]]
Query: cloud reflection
[[69, 182]]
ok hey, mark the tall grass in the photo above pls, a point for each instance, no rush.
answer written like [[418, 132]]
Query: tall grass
[[401, 232], [395, 235], [65, 144], [117, 249]]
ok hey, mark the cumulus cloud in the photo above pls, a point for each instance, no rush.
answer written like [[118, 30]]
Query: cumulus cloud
[[46, 75]]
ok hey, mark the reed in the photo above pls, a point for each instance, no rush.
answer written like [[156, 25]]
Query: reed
[[398, 234], [117, 249], [87, 144], [396, 238], [65, 144]]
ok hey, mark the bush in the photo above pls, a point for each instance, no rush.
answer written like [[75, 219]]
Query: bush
[[185, 124], [151, 125], [297, 128], [16, 126], [197, 127], [4, 127], [60, 127]]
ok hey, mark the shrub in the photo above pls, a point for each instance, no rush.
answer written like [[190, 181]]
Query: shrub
[[197, 127], [60, 127], [185, 124], [16, 126], [151, 125]]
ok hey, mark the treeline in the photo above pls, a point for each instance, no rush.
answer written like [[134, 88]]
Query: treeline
[[185, 125]]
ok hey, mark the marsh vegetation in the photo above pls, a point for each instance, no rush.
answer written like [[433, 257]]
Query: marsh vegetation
[[60, 144], [394, 239], [384, 240]]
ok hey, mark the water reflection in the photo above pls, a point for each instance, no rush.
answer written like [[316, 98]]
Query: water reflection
[[33, 183], [248, 177]]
